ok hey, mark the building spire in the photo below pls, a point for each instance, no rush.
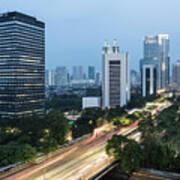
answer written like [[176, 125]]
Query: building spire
[[106, 47], [115, 47]]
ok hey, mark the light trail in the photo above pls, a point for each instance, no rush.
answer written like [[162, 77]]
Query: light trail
[[79, 161]]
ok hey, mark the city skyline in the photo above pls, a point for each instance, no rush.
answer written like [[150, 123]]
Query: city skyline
[[83, 44], [73, 107]]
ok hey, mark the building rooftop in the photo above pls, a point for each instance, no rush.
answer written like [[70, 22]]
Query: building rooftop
[[12, 16]]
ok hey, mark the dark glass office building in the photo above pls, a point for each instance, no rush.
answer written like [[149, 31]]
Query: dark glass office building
[[22, 65], [91, 72]]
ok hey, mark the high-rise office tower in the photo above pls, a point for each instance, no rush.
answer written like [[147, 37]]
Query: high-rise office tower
[[22, 65], [176, 73], [156, 54], [91, 73], [50, 77], [149, 77], [61, 76], [78, 73], [115, 76]]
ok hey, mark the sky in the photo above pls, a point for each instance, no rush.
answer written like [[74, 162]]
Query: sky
[[76, 29]]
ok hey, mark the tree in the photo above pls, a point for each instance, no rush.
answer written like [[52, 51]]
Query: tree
[[31, 128], [89, 120], [146, 127], [121, 121], [14, 152], [127, 152], [176, 164], [158, 156], [151, 154], [115, 146], [57, 127], [64, 103], [115, 112], [81, 127], [131, 159]]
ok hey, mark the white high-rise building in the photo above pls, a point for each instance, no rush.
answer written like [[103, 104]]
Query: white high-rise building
[[115, 76], [50, 77]]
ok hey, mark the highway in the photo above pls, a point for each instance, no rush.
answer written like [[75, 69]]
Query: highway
[[80, 161]]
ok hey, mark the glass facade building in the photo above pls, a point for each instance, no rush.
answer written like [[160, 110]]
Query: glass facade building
[[22, 65], [157, 53], [91, 72]]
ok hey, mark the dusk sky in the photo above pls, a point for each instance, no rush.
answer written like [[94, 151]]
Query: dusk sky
[[76, 29]]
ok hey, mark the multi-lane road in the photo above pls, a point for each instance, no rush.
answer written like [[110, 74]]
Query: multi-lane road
[[78, 162], [81, 161]]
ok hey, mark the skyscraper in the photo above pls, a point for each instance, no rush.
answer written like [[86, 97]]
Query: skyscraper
[[61, 76], [78, 73], [22, 65], [176, 73], [156, 55], [115, 77], [91, 73]]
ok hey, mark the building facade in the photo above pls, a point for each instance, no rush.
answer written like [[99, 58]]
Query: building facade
[[156, 54], [115, 76], [22, 65], [91, 102], [61, 76], [176, 73]]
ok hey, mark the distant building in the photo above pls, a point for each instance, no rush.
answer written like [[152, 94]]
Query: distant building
[[91, 73], [22, 65], [90, 102], [68, 78], [176, 73], [84, 76], [115, 77], [156, 55], [50, 77], [78, 76], [98, 79], [78, 73], [61, 76], [135, 79]]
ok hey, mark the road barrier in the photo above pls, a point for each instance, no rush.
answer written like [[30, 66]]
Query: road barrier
[[104, 171]]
